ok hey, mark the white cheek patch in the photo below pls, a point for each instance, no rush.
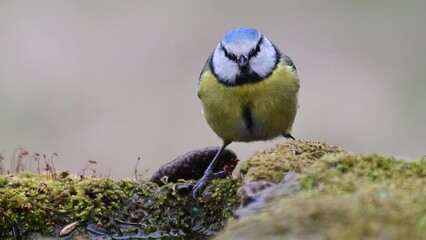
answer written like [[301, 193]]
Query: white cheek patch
[[264, 62], [227, 70], [224, 68]]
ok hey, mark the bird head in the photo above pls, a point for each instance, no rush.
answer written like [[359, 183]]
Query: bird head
[[244, 55]]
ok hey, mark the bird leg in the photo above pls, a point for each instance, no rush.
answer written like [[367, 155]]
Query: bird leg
[[208, 174]]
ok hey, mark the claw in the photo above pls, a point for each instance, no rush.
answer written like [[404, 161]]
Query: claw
[[200, 186], [208, 174], [202, 183]]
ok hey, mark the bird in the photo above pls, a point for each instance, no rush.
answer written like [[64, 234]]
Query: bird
[[249, 92]]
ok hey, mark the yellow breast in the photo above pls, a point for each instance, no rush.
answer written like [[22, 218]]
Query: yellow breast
[[271, 103]]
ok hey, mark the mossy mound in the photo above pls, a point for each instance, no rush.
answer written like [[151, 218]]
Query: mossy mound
[[344, 196], [45, 204], [271, 165], [300, 190]]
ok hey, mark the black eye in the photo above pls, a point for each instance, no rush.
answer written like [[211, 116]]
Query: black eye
[[255, 51], [230, 56], [226, 52]]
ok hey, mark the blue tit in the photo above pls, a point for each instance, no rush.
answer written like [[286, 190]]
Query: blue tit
[[248, 90]]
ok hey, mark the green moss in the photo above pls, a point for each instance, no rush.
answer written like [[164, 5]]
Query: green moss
[[350, 172], [336, 195], [42, 203], [345, 196], [368, 214], [273, 164], [45, 204]]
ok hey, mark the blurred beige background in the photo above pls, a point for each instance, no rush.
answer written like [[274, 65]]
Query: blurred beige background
[[116, 80]]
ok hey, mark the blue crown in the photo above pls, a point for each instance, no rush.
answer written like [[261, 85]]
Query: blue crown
[[241, 34]]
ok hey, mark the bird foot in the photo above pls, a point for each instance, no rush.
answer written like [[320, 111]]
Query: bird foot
[[202, 183]]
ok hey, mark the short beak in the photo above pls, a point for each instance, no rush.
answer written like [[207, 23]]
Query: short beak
[[242, 60]]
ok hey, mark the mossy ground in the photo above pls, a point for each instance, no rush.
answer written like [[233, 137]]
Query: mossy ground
[[337, 195], [344, 196], [45, 204], [271, 165]]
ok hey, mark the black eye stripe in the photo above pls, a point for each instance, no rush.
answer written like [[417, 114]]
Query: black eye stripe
[[251, 54], [255, 51], [230, 56]]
